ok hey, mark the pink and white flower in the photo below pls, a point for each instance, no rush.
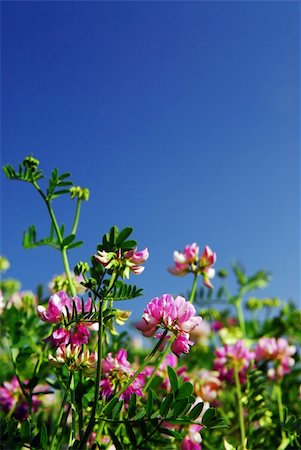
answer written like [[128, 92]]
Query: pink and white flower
[[175, 315], [189, 261], [279, 353], [231, 357]]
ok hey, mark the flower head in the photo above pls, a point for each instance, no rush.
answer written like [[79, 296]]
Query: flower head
[[188, 261], [123, 262], [279, 353], [74, 357], [175, 315], [233, 357], [116, 372]]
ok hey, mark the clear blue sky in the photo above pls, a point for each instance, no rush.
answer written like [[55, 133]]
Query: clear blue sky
[[182, 118]]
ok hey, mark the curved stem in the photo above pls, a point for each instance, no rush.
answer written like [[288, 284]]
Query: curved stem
[[60, 415], [280, 410], [158, 363], [194, 286], [76, 218], [240, 410]]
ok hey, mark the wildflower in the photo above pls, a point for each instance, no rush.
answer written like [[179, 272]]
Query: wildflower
[[175, 315], [193, 439], [189, 261], [23, 299], [123, 263], [231, 357], [74, 358], [279, 353], [116, 372], [12, 399], [68, 313], [207, 384]]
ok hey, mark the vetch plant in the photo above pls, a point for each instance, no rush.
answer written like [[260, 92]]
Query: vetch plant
[[71, 379]]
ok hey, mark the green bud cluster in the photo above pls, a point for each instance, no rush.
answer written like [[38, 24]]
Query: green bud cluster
[[254, 304], [31, 163], [78, 192], [4, 264]]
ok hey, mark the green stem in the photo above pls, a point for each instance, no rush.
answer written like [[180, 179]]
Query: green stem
[[76, 218], [60, 415], [143, 365], [73, 412], [240, 410], [240, 316], [160, 359], [194, 286], [60, 239], [280, 409], [91, 423]]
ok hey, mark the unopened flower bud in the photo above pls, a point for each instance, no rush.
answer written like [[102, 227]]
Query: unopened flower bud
[[31, 163], [78, 192]]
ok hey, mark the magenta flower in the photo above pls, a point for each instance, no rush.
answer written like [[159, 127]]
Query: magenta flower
[[116, 372], [230, 357], [279, 353], [175, 315], [189, 261], [123, 263], [193, 439], [60, 311], [13, 402]]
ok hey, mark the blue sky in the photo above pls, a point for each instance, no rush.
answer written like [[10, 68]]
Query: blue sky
[[182, 118]]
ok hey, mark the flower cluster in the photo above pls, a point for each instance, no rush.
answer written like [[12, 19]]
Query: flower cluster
[[175, 315], [123, 263], [189, 261], [12, 400], [74, 358], [279, 353], [116, 372], [60, 311], [233, 357]]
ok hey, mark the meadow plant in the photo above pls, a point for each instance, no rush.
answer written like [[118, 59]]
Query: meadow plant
[[206, 377]]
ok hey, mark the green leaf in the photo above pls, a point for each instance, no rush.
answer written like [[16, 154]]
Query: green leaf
[[173, 378], [68, 239], [117, 409], [185, 390], [115, 440], [76, 244], [131, 435], [172, 433], [113, 235], [110, 406], [132, 405], [155, 414], [149, 402], [64, 175], [140, 414], [179, 407], [196, 411], [128, 245], [25, 431], [208, 416], [44, 437], [123, 235], [165, 405]]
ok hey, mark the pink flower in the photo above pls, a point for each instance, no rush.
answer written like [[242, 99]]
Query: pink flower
[[116, 371], [123, 263], [233, 356], [193, 439], [12, 399], [189, 261], [175, 315], [207, 385], [64, 311], [279, 353]]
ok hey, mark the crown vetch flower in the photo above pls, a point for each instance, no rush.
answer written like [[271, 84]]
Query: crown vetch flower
[[175, 315], [279, 353], [116, 371], [230, 357], [189, 261], [12, 399], [67, 313], [74, 357], [123, 262]]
